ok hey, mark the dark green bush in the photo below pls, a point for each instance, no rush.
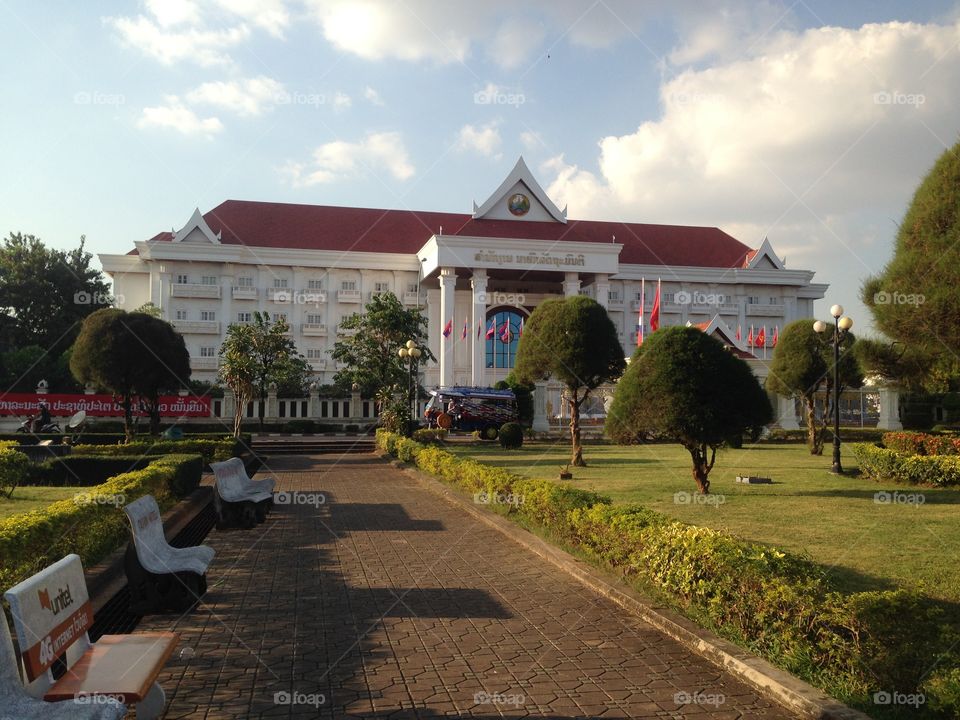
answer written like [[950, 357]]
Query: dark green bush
[[212, 450], [430, 435], [83, 470], [511, 436], [885, 465], [307, 427]]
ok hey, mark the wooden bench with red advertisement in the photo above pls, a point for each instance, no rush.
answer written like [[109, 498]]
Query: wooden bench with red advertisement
[[51, 614]]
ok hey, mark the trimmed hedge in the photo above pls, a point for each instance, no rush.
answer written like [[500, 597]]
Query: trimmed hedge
[[430, 435], [14, 467], [886, 465], [918, 443], [88, 470], [211, 450], [102, 438], [847, 434], [511, 436], [778, 605], [91, 525]]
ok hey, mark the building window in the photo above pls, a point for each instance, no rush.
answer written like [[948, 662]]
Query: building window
[[502, 346], [244, 317], [182, 279], [669, 297], [314, 319], [208, 315], [314, 284], [381, 287], [776, 301], [314, 354], [277, 317], [208, 351], [753, 299], [208, 280], [411, 287], [280, 283], [181, 314], [613, 296], [245, 282], [348, 285]]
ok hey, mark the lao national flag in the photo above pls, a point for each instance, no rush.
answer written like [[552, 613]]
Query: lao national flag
[[738, 333], [520, 333], [448, 328], [505, 332], [776, 335], [463, 334], [750, 338], [655, 311], [492, 330], [762, 337], [640, 318]]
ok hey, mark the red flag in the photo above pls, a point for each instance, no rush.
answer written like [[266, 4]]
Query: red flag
[[738, 333], [520, 334], [762, 337], [750, 337], [655, 311], [640, 319], [448, 328], [776, 335], [463, 334], [491, 331]]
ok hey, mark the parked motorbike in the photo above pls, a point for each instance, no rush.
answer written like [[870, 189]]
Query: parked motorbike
[[27, 427]]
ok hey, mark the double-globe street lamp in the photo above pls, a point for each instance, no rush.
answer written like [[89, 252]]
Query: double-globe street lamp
[[411, 353], [841, 325]]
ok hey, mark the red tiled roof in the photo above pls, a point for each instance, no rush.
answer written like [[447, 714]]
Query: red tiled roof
[[320, 227]]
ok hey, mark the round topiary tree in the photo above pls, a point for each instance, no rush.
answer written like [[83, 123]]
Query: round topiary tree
[[511, 436], [683, 384], [914, 300]]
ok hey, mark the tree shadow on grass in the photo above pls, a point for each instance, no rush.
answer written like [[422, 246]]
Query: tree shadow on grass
[[885, 495]]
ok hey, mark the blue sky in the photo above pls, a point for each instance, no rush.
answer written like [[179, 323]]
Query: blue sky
[[809, 122]]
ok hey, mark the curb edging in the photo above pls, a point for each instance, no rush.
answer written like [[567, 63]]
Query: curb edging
[[789, 691]]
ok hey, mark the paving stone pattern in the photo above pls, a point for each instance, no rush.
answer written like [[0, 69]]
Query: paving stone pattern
[[385, 601]]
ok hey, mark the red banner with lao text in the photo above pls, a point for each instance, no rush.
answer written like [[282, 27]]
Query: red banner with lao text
[[62, 405]]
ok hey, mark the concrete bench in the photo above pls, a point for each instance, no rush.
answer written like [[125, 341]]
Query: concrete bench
[[238, 499], [51, 614], [160, 577]]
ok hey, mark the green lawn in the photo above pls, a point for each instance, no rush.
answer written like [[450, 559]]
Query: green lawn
[[33, 498], [863, 544]]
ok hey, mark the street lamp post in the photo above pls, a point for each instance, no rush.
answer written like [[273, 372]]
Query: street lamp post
[[841, 325], [411, 353]]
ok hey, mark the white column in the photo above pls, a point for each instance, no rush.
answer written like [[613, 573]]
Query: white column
[[479, 344], [226, 299], [571, 284], [540, 421], [889, 410], [602, 287], [787, 413], [448, 286]]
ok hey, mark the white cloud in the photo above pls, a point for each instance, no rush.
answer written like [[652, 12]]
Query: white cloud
[[799, 118], [173, 12], [269, 15], [177, 116], [531, 140], [372, 96], [514, 42], [483, 140], [337, 160], [248, 96], [204, 47], [341, 101]]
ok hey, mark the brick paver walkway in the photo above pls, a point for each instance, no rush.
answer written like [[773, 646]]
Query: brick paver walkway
[[387, 602]]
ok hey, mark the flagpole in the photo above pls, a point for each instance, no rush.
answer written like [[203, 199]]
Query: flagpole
[[643, 298]]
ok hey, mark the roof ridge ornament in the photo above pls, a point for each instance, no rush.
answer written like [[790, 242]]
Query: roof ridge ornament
[[521, 173], [196, 222], [764, 251]]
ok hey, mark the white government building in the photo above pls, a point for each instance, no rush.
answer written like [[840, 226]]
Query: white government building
[[316, 264]]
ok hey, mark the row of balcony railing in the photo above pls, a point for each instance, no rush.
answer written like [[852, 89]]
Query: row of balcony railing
[[283, 295]]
